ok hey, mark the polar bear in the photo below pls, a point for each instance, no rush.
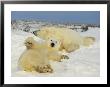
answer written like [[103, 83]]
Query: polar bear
[[70, 39], [37, 55], [34, 58]]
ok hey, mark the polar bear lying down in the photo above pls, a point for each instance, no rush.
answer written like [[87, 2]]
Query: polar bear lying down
[[70, 39], [37, 55]]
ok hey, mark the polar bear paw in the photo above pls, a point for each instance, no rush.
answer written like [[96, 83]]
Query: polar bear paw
[[29, 42], [64, 57], [44, 69]]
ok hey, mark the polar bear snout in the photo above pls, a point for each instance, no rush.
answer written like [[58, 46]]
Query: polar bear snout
[[52, 44]]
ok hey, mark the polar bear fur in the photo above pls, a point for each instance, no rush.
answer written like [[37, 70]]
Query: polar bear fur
[[37, 55], [70, 39]]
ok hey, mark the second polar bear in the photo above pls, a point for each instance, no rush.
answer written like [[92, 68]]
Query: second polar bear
[[70, 39]]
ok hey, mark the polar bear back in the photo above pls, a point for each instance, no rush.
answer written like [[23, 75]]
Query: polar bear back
[[63, 33]]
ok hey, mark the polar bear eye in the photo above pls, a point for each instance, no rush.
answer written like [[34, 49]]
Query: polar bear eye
[[51, 40]]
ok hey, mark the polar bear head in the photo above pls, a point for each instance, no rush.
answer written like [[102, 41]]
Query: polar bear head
[[45, 32], [53, 43]]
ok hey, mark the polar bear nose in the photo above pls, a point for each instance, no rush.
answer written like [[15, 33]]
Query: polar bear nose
[[52, 44]]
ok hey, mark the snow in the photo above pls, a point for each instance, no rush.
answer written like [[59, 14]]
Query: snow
[[84, 62]]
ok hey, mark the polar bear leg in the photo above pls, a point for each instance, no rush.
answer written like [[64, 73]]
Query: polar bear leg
[[87, 41], [42, 68], [55, 56], [29, 69], [71, 47], [26, 66]]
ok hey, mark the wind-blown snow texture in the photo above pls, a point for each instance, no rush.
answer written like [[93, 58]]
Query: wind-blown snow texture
[[84, 62]]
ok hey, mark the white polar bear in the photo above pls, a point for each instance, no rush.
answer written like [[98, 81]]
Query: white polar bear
[[37, 55], [34, 57], [70, 39]]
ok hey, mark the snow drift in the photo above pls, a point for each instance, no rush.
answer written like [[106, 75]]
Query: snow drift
[[84, 62]]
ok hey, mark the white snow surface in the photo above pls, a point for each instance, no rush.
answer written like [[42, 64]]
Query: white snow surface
[[84, 62]]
